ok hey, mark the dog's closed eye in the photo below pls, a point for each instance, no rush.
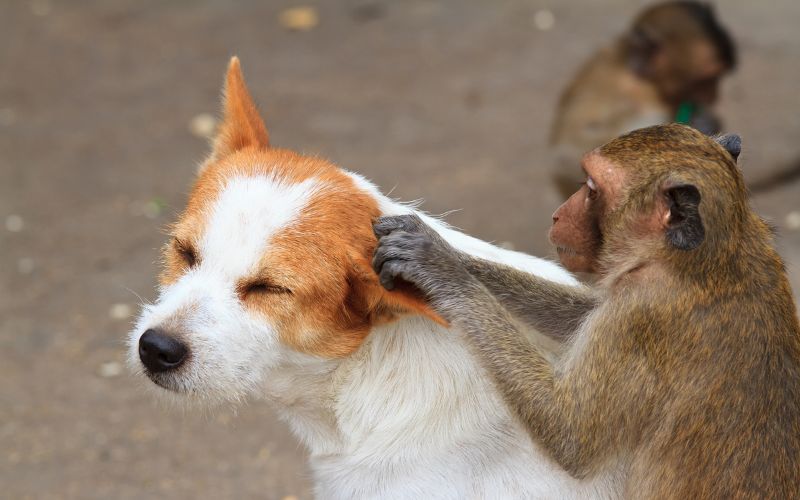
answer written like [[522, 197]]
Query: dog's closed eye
[[186, 252], [261, 287]]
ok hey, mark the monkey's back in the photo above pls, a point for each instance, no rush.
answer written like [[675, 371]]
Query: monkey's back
[[599, 103], [730, 423]]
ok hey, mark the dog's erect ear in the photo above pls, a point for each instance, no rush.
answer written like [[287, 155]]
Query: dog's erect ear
[[241, 125], [376, 305]]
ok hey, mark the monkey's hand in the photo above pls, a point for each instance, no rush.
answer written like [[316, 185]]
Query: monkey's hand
[[411, 251]]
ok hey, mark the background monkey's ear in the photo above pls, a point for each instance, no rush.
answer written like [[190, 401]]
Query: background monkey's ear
[[732, 144], [685, 229], [241, 125], [643, 46]]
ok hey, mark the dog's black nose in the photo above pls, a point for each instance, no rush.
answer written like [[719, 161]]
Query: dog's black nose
[[160, 352]]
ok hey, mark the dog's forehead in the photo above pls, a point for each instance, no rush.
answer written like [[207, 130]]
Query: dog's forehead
[[247, 214]]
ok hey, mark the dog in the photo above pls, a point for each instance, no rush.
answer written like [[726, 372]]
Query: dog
[[267, 291]]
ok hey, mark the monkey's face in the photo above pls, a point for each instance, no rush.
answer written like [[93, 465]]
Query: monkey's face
[[576, 232], [641, 200], [689, 71]]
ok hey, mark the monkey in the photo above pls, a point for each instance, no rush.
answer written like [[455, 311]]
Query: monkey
[[665, 68], [682, 366]]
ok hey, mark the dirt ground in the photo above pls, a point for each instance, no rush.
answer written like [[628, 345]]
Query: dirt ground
[[444, 101]]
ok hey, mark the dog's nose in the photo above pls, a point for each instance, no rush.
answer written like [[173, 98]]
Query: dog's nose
[[160, 352]]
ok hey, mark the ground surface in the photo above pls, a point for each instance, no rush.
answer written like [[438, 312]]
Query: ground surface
[[446, 101]]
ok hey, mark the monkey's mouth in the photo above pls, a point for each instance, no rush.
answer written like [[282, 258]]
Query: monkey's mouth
[[566, 251]]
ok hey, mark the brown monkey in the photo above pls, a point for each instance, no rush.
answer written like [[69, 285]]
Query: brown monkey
[[683, 367], [665, 68]]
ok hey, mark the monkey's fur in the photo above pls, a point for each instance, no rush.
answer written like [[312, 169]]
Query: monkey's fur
[[682, 369], [641, 80]]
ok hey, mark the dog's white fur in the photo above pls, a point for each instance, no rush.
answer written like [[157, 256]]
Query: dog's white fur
[[410, 414]]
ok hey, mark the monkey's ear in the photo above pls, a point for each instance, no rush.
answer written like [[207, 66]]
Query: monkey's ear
[[643, 46], [685, 229], [732, 144]]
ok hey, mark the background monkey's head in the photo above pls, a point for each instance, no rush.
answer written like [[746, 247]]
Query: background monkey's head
[[666, 193], [683, 49]]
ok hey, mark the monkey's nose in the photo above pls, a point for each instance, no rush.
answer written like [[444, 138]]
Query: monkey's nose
[[160, 352]]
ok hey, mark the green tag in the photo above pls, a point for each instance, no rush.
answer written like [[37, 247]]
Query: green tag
[[684, 113]]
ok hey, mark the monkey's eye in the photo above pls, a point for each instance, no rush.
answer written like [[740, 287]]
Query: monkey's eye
[[187, 252], [592, 187]]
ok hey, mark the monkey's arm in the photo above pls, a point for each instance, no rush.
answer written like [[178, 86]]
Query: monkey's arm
[[555, 309], [558, 411]]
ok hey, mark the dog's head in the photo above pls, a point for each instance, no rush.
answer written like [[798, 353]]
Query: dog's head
[[271, 256]]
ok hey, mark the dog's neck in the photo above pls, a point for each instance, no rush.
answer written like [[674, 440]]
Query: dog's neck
[[409, 409], [412, 389]]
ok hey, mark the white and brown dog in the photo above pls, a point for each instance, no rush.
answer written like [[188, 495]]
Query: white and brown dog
[[267, 291]]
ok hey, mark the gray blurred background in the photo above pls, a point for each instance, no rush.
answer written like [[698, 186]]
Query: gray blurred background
[[103, 109]]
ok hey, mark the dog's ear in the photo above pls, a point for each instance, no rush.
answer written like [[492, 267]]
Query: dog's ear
[[241, 125], [376, 305], [405, 299]]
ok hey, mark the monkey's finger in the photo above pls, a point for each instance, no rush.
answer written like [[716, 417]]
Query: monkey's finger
[[389, 272], [407, 241], [388, 224], [385, 225], [383, 253]]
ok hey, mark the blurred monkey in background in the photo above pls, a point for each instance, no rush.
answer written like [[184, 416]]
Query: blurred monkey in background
[[666, 68]]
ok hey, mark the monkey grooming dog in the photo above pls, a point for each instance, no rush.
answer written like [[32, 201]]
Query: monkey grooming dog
[[666, 68], [267, 291], [684, 365]]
